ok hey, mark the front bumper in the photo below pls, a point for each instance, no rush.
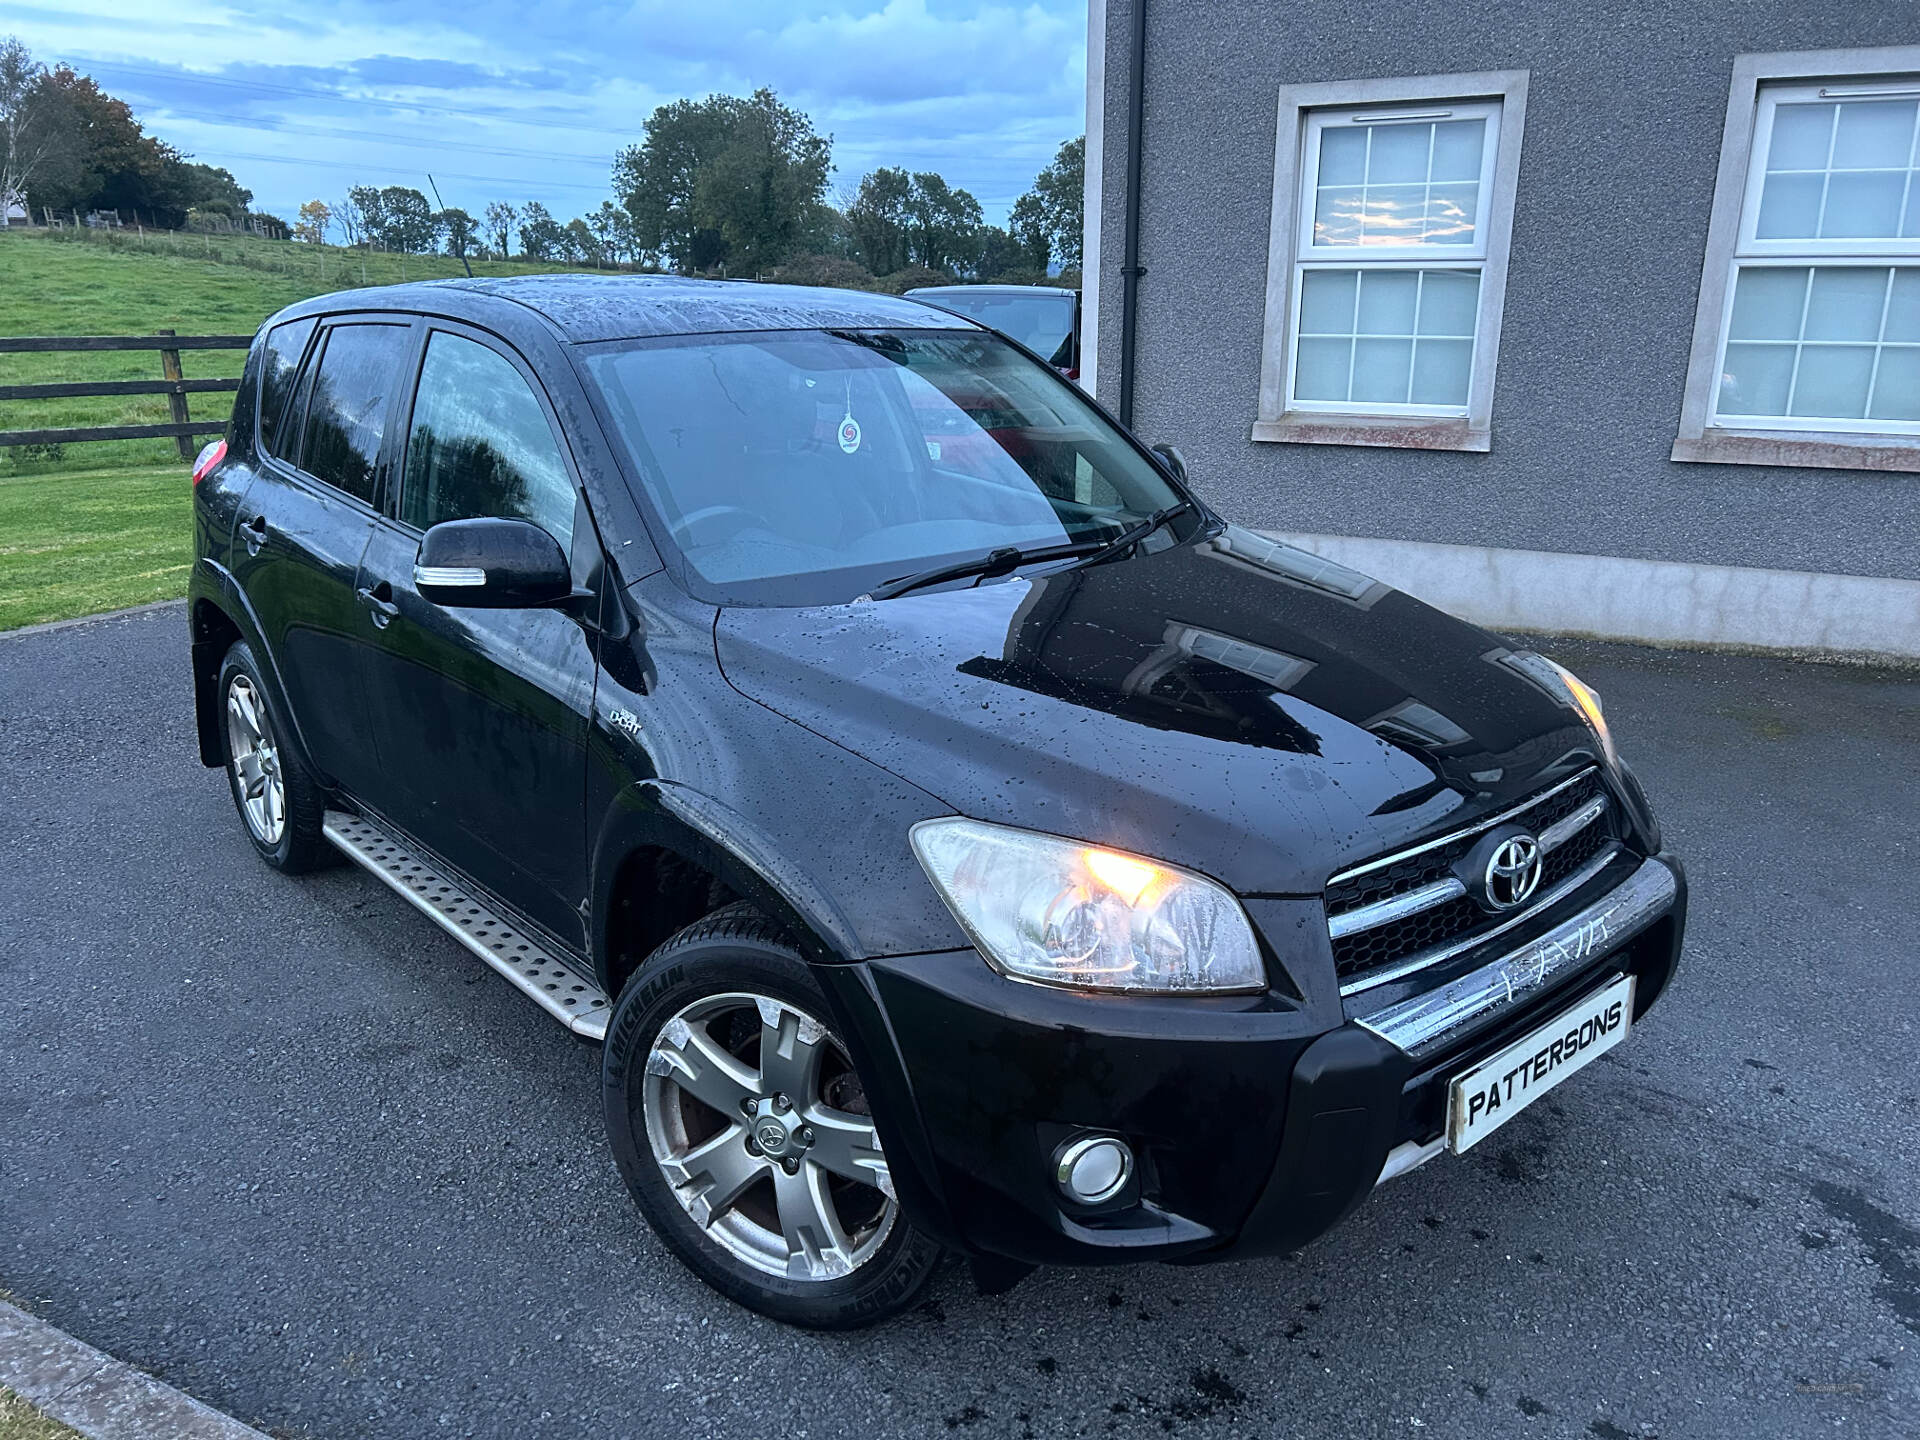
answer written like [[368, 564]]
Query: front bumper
[[1257, 1124], [1369, 1100]]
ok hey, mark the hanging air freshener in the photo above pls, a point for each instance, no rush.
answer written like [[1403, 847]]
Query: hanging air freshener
[[849, 427]]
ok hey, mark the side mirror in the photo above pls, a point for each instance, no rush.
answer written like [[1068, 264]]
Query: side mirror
[[1173, 460], [491, 565]]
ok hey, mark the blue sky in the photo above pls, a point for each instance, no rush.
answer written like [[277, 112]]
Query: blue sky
[[529, 101]]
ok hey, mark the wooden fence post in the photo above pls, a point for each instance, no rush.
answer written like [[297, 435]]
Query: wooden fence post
[[177, 399]]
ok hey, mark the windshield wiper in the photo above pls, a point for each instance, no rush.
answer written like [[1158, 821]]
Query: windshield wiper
[[1010, 557], [1134, 533], [995, 562]]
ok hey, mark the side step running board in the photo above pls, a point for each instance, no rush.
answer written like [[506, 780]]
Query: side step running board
[[555, 986]]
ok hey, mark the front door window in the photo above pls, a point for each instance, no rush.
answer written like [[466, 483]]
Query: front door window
[[481, 446]]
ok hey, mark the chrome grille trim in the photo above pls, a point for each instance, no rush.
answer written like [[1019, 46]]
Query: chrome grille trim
[[1438, 953], [1422, 1023], [1438, 892], [1473, 829], [1394, 907], [1561, 831]]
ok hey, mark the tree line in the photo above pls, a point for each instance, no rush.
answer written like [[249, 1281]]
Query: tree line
[[68, 147], [738, 186], [727, 185]]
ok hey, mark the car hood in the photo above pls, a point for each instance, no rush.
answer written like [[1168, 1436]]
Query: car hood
[[1226, 703]]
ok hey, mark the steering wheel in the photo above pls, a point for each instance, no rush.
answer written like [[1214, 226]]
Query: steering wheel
[[740, 517]]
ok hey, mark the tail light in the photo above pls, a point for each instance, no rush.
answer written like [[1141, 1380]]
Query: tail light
[[210, 455]]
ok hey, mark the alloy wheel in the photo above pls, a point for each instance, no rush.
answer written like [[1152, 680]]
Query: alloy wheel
[[760, 1126], [255, 761]]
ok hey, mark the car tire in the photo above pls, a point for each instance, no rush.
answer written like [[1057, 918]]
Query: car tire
[[789, 1227], [281, 805]]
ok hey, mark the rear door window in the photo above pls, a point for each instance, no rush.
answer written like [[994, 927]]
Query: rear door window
[[361, 367], [279, 368], [481, 445]]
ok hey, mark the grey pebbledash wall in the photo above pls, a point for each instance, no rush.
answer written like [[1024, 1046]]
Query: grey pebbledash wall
[[1625, 109]]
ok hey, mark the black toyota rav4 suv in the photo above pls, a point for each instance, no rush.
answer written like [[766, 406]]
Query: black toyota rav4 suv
[[957, 834]]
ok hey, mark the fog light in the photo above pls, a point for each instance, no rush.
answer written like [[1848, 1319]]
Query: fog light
[[1093, 1169]]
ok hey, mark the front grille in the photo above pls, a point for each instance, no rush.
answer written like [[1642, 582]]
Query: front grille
[[1456, 918], [1366, 950], [1568, 858]]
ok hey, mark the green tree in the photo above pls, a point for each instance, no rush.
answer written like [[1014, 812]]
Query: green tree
[[944, 228], [1047, 220], [363, 216], [760, 189], [501, 218], [582, 244], [825, 231], [65, 144], [879, 217], [26, 130], [541, 236], [407, 221], [655, 181], [459, 230], [98, 157], [897, 219], [612, 231], [1002, 256], [213, 191], [723, 181]]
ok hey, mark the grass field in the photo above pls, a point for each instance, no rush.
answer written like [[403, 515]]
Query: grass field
[[102, 526], [76, 542], [20, 1421], [122, 283]]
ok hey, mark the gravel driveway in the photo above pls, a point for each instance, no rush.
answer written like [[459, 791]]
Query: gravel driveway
[[287, 1146]]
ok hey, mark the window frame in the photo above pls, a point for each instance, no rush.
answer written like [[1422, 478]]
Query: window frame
[[1317, 121], [1759, 84], [300, 361], [316, 358], [1305, 111], [292, 467], [394, 496]]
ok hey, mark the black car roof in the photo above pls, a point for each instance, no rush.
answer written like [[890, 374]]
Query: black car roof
[[586, 308], [992, 290]]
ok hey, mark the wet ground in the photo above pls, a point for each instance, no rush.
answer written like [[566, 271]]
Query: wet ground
[[285, 1145]]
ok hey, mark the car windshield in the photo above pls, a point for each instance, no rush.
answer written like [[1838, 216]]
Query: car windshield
[[807, 467], [1041, 321]]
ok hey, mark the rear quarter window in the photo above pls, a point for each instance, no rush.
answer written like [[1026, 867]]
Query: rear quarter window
[[279, 367]]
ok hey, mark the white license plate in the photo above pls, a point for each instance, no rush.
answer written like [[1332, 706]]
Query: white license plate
[[1486, 1097]]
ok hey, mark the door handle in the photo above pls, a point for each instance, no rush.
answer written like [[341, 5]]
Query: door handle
[[254, 532], [379, 601]]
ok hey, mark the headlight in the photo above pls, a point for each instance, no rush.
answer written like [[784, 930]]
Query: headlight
[[1575, 691], [1042, 908]]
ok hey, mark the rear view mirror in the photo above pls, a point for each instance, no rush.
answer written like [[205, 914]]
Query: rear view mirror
[[1173, 460], [493, 564]]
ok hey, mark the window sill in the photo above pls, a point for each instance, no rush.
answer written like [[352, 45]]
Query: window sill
[[1812, 449], [1406, 432]]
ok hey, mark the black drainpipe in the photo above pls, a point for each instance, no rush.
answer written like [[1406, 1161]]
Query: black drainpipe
[[1130, 267]]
